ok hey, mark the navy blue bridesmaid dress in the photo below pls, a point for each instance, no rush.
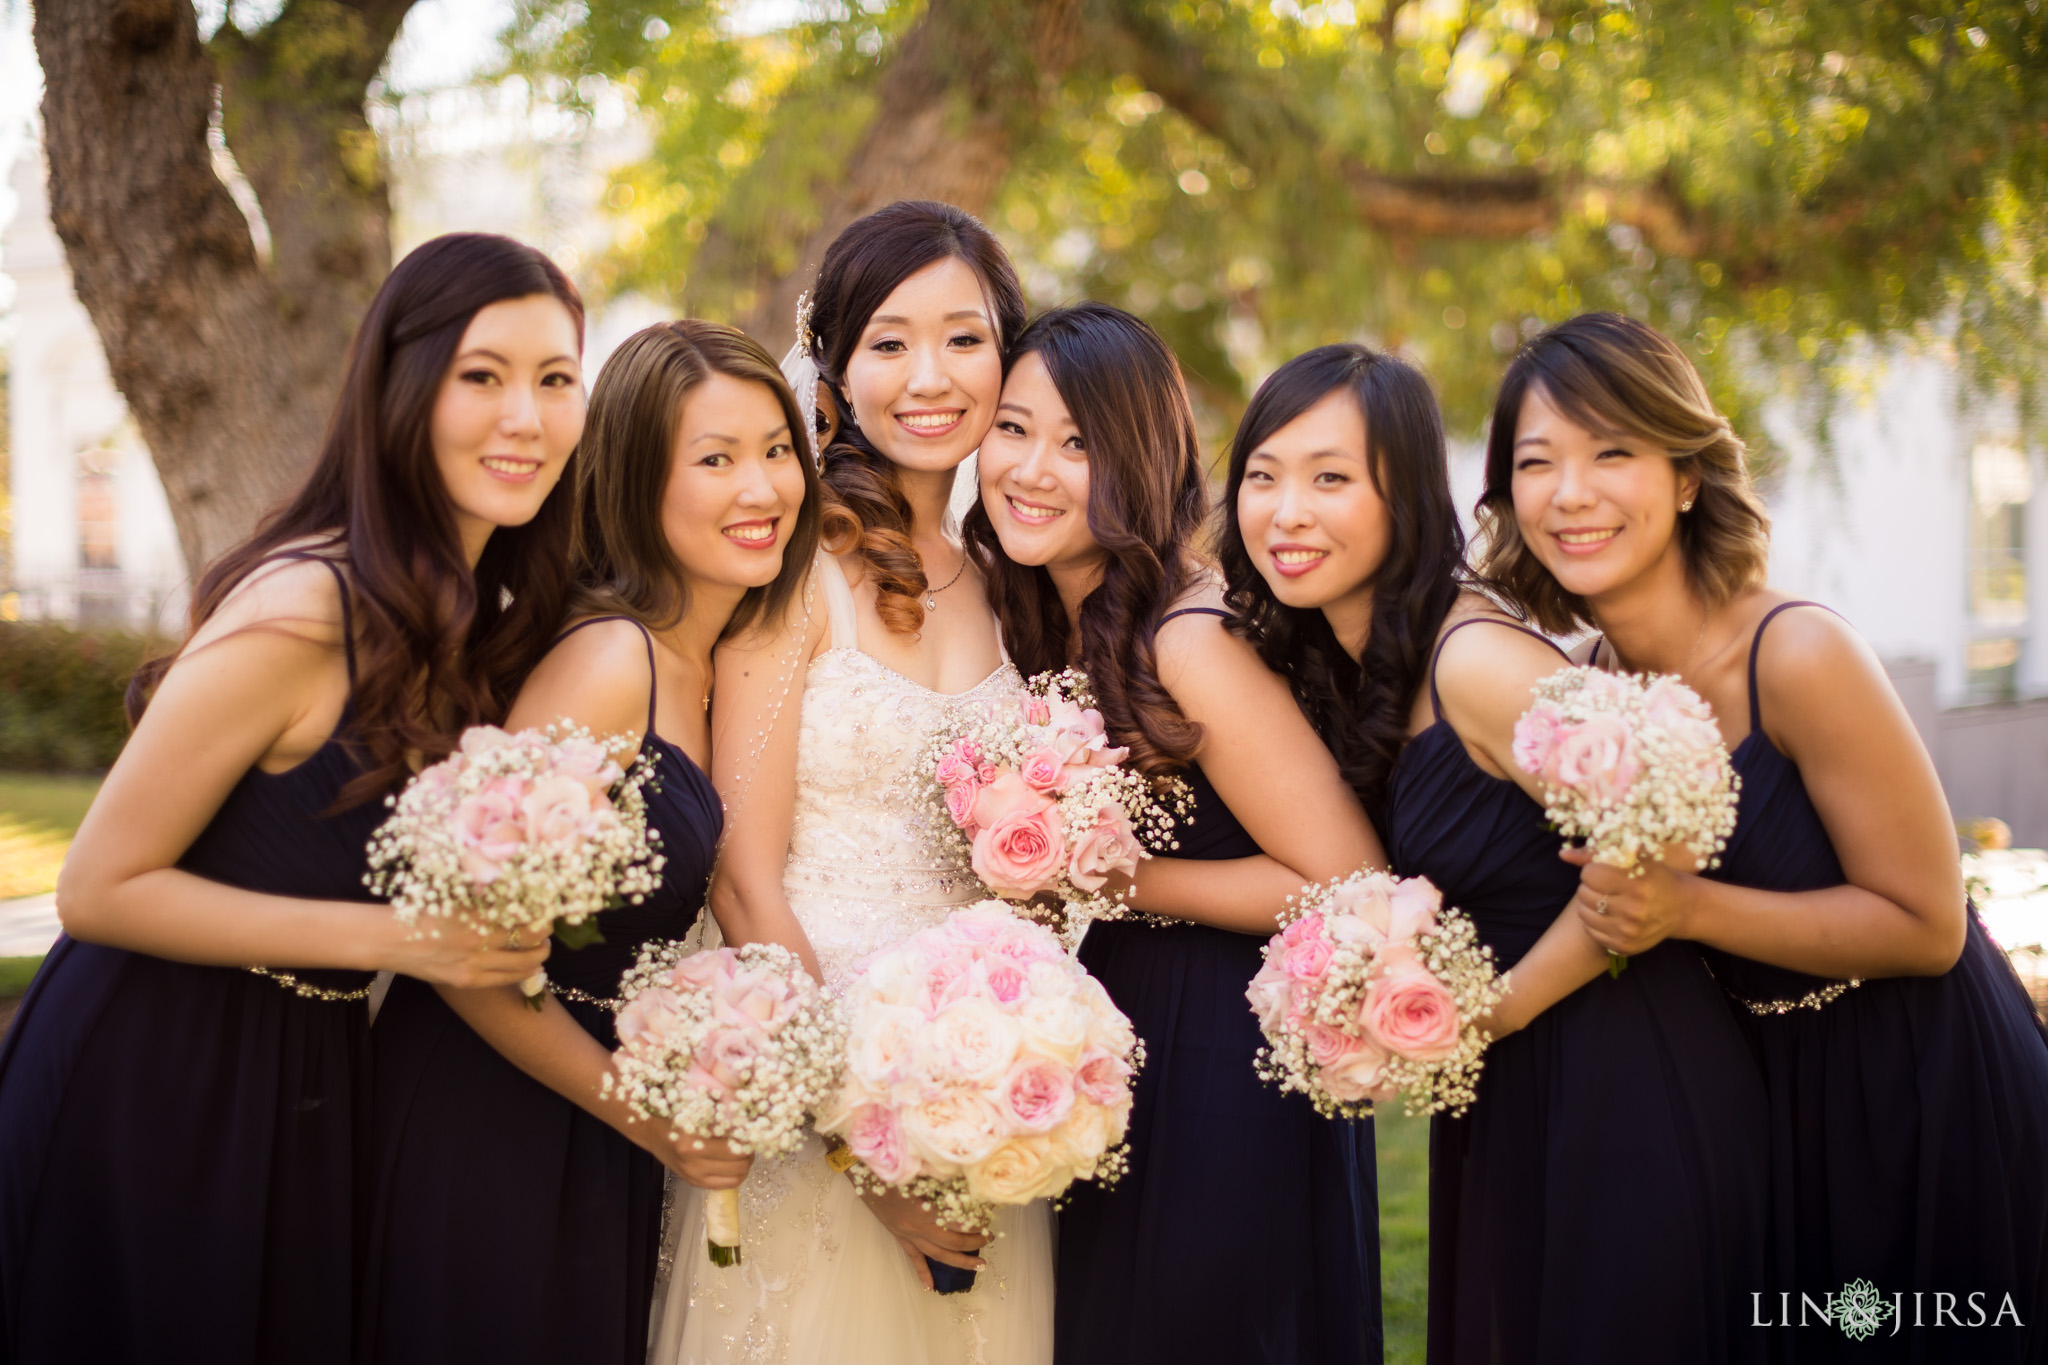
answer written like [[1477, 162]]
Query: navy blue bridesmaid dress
[[1602, 1201], [178, 1143], [506, 1224], [1247, 1229], [1908, 1117]]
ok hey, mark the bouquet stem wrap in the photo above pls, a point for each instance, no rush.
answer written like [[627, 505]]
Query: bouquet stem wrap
[[722, 1225]]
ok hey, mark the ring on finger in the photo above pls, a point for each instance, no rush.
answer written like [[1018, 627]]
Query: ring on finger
[[512, 939], [1600, 906]]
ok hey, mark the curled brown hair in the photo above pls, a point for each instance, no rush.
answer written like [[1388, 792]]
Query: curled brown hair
[[1146, 503], [862, 268], [1610, 373], [621, 557], [439, 647]]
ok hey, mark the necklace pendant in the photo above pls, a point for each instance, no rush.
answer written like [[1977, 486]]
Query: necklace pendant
[[931, 602]]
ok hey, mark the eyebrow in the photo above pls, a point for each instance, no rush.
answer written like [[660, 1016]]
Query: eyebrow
[[1014, 406], [782, 430], [958, 315], [493, 355], [1327, 453], [1532, 441]]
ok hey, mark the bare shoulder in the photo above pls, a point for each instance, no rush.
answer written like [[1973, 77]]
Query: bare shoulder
[[1192, 629], [596, 676], [282, 599], [1492, 665], [1811, 660]]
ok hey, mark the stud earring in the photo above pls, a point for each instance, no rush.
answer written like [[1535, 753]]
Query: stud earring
[[1685, 506]]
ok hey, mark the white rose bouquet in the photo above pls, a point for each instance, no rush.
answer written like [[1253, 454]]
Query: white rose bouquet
[[984, 1066], [533, 831]]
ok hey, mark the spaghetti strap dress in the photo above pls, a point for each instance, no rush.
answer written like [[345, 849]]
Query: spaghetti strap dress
[[506, 1224], [1247, 1228], [178, 1143], [1602, 1201], [1908, 1119]]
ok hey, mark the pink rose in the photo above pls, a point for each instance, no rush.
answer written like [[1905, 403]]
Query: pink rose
[[729, 1057], [1044, 770], [702, 1079], [1104, 1078], [987, 773], [1414, 903], [948, 979], [703, 971], [1327, 1046], [587, 762], [1007, 792], [1596, 757], [1303, 929], [958, 766], [557, 810], [1410, 1013], [766, 996], [1536, 736], [877, 1139], [1268, 993], [1079, 736], [1356, 1076], [1110, 845], [1006, 983], [1020, 853], [960, 799], [488, 831], [1036, 712], [1037, 1094], [644, 1023], [1308, 959], [481, 739]]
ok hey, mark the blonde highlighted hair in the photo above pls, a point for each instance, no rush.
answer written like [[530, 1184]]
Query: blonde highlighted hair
[[1612, 374]]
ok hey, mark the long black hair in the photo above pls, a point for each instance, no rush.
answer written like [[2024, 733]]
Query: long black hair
[[1146, 504], [439, 646], [1360, 708]]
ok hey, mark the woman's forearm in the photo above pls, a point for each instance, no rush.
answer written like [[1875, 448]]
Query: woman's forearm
[[1841, 931], [1563, 960], [174, 914], [760, 913], [1241, 894], [548, 1045]]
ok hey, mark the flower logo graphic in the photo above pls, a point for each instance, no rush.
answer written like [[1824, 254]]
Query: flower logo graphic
[[1860, 1310]]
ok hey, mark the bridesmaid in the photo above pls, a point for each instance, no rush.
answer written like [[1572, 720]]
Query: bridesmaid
[[1247, 1227], [1907, 1076], [517, 1209], [1601, 1202], [179, 1127]]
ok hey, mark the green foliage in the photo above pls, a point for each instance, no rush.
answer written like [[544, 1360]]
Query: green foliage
[[1404, 1232], [15, 974], [1770, 184], [60, 695]]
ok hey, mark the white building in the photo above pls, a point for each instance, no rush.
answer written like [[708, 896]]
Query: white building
[[93, 539]]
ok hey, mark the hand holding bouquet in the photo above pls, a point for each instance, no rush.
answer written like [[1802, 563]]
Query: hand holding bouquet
[[529, 831], [984, 1066], [1632, 764], [1042, 804], [1371, 989], [731, 1043]]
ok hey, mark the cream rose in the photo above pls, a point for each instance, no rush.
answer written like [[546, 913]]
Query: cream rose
[[953, 1131], [1017, 1172]]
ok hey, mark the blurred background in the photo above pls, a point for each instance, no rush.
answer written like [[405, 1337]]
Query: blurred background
[[1837, 206]]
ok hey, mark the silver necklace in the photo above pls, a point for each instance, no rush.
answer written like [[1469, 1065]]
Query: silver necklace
[[931, 594]]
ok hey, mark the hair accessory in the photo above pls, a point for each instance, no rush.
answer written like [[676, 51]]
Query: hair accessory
[[804, 339]]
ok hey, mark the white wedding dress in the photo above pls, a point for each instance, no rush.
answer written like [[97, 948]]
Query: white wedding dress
[[822, 1282]]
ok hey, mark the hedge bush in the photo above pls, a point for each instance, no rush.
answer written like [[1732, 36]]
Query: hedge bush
[[60, 695]]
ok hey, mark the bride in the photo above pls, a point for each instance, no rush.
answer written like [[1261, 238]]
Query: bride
[[827, 847]]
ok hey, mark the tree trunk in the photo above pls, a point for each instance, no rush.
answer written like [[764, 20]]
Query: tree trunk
[[966, 82], [230, 363]]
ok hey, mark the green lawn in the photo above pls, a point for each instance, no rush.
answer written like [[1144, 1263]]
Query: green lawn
[[38, 815], [1404, 1231]]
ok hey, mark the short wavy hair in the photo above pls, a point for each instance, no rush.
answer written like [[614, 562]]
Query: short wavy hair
[[1610, 373]]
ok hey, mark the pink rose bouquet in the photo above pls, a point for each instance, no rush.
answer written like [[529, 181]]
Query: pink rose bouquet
[[1631, 763], [1036, 797], [984, 1066], [729, 1043], [533, 831], [1371, 989]]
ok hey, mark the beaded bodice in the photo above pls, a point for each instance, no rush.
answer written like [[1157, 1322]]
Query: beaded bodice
[[865, 869]]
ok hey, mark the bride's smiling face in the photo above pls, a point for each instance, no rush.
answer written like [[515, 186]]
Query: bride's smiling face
[[926, 375]]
